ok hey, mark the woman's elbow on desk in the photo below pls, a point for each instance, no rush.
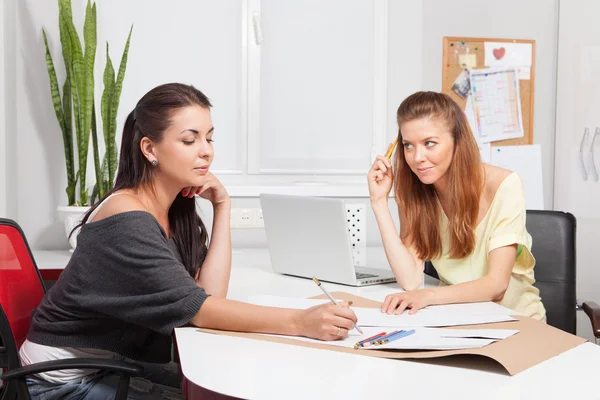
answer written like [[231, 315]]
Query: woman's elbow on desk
[[409, 285], [494, 288], [499, 292]]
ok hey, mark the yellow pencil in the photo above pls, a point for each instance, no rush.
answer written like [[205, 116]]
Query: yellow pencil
[[391, 150]]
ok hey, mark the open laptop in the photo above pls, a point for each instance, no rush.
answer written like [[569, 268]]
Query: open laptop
[[308, 236]]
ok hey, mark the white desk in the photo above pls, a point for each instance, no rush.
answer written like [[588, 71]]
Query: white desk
[[265, 370]]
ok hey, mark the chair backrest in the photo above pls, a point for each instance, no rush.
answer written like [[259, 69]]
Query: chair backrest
[[553, 234], [554, 238], [21, 286]]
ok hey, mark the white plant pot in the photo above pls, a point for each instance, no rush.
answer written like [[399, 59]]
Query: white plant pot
[[71, 216]]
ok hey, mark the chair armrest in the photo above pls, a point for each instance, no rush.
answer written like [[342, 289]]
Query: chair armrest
[[593, 311], [122, 367]]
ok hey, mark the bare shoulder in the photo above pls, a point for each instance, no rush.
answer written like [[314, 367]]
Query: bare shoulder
[[494, 176], [118, 203]]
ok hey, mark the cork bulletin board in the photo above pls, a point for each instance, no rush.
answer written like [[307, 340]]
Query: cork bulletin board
[[454, 61]]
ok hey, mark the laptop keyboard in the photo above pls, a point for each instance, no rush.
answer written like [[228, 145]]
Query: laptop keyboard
[[361, 275]]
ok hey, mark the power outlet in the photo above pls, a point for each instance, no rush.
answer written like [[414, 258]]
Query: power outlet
[[357, 231], [259, 222], [242, 218]]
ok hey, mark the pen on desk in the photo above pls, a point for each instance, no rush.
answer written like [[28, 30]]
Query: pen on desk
[[318, 282], [391, 150]]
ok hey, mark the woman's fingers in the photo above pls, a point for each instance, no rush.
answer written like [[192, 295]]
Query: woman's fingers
[[386, 161], [402, 307], [414, 308], [345, 323], [393, 304], [339, 333]]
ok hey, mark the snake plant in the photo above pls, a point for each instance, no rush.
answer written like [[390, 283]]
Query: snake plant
[[77, 106]]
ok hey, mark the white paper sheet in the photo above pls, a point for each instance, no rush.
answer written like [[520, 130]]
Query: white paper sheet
[[506, 54], [484, 307], [526, 161], [417, 342], [473, 333], [434, 316], [496, 104], [423, 338], [425, 317]]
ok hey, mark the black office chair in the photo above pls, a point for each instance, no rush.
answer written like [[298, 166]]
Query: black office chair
[[554, 238]]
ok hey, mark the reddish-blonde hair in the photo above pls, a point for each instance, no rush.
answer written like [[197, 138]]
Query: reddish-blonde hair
[[418, 201]]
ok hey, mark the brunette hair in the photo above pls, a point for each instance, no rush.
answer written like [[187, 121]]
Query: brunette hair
[[151, 118]]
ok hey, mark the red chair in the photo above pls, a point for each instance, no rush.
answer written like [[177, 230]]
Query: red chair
[[21, 291]]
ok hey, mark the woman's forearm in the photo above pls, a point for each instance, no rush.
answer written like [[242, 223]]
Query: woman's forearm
[[215, 272], [408, 275], [218, 313], [482, 289]]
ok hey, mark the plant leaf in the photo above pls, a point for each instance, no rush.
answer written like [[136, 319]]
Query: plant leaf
[[96, 154], [106, 109], [87, 100], [60, 116], [111, 142]]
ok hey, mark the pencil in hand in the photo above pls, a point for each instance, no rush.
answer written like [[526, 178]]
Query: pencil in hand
[[318, 282], [391, 150]]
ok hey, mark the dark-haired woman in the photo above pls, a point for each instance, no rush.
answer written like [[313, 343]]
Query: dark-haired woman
[[143, 265]]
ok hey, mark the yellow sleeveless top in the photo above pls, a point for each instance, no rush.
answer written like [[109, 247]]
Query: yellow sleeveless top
[[503, 225]]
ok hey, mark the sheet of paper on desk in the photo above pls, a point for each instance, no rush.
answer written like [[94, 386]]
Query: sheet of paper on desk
[[424, 338], [472, 333], [442, 315], [425, 317], [414, 342], [484, 307], [447, 339]]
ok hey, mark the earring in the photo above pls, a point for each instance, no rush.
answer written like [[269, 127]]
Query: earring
[[154, 163]]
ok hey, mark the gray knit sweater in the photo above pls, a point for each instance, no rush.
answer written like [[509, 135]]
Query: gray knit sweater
[[124, 290]]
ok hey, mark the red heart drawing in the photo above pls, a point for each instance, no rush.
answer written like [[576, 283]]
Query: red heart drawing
[[499, 53]]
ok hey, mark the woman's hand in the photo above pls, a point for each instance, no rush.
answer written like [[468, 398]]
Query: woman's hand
[[380, 179], [212, 190], [327, 321], [398, 302]]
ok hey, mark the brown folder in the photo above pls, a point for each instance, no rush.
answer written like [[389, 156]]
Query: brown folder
[[535, 342]]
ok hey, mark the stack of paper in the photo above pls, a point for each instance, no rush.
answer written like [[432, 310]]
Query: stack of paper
[[424, 322], [446, 339]]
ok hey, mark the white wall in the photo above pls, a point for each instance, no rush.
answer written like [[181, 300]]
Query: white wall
[[510, 19], [578, 99], [37, 140], [8, 172], [415, 33], [165, 47], [404, 20], [2, 116], [37, 148]]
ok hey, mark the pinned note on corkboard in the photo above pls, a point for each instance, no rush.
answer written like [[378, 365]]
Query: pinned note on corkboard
[[462, 53]]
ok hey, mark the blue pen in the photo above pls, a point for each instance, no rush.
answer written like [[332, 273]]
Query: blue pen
[[399, 335], [381, 339]]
